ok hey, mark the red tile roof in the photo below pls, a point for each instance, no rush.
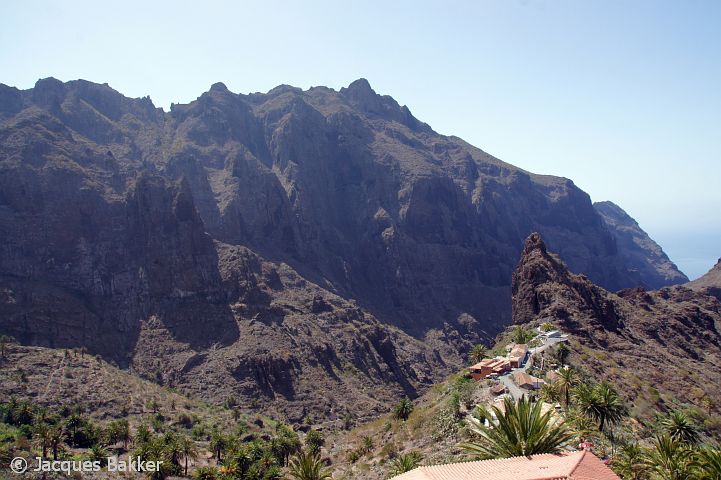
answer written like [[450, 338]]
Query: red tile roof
[[581, 465]]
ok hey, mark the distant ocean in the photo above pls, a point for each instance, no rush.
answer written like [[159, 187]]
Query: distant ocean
[[694, 253]]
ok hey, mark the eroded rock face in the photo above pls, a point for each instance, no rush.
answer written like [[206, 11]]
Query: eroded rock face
[[639, 251], [668, 339], [271, 243]]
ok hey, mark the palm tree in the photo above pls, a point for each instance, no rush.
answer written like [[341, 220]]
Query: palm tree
[[547, 327], [610, 409], [478, 353], [581, 426], [562, 352], [600, 403], [404, 463], [218, 444], [709, 464], [73, 425], [206, 473], [521, 430], [670, 460], [118, 431], [630, 463], [522, 335], [308, 466], [567, 379], [680, 428], [284, 445], [314, 440], [189, 452], [403, 409], [55, 440], [142, 434], [99, 453], [550, 393], [41, 433], [172, 448]]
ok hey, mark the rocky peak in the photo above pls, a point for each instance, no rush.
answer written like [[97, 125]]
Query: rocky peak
[[360, 94], [532, 243], [543, 288], [218, 87], [49, 92]]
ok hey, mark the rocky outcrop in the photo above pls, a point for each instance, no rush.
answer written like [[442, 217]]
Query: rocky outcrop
[[667, 340], [712, 278], [269, 244], [710, 282], [638, 250]]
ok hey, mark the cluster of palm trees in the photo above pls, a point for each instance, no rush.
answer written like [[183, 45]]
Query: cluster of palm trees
[[585, 401], [172, 449], [674, 454], [522, 428], [264, 460], [235, 458], [52, 432]]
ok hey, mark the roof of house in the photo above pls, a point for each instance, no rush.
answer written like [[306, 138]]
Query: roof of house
[[581, 465], [519, 350], [498, 389], [522, 378], [488, 362]]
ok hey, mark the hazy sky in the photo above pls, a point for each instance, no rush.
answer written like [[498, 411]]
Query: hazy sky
[[623, 97]]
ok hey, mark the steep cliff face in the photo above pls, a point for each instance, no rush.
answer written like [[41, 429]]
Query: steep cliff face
[[666, 341], [638, 250], [269, 242]]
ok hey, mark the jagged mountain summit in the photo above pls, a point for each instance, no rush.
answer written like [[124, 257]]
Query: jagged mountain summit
[[275, 245], [659, 347]]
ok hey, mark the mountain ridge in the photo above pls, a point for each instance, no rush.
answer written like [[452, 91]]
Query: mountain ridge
[[225, 238]]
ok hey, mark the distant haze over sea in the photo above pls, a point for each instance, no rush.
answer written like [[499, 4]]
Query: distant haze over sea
[[694, 252]]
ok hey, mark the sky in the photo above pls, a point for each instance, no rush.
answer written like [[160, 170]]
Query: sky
[[623, 97]]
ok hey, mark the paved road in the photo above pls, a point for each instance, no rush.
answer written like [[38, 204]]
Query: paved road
[[516, 392]]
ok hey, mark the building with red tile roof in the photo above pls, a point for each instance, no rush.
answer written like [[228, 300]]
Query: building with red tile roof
[[518, 355], [489, 365], [524, 380], [580, 465]]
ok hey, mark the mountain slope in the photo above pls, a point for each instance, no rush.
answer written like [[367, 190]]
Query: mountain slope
[[659, 347], [710, 281], [638, 249], [268, 246]]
